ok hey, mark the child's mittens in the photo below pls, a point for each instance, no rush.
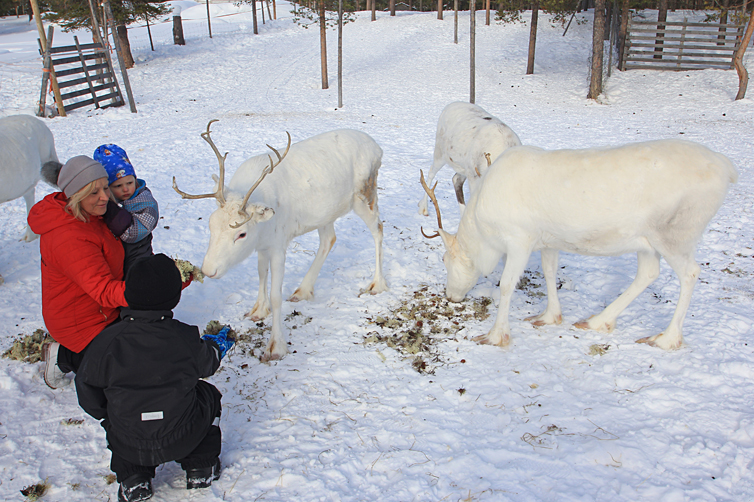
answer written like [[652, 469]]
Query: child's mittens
[[117, 219], [221, 339]]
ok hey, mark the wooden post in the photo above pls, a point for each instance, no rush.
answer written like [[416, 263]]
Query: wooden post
[[274, 10], [177, 31], [111, 20], [487, 22], [532, 36], [598, 49], [439, 11], [743, 75], [254, 16], [472, 55], [43, 41], [47, 65], [323, 43], [374, 10], [209, 23], [99, 38], [340, 53], [149, 32], [391, 3], [455, 21]]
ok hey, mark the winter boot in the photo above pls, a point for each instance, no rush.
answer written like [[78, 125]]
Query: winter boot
[[53, 376], [135, 488], [203, 476]]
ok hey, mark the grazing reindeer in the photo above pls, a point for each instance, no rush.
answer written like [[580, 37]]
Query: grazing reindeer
[[468, 139], [26, 144], [653, 198], [315, 182]]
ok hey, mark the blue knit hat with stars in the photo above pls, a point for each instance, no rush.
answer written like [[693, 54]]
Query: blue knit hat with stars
[[115, 161]]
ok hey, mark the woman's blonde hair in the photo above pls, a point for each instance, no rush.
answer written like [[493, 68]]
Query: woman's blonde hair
[[74, 202]]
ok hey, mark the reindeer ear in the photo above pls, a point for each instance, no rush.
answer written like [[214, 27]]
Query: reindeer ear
[[448, 239], [261, 213]]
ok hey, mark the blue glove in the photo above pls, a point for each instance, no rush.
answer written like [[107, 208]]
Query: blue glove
[[221, 339]]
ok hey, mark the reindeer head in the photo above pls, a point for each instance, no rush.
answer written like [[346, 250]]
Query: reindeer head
[[234, 226], [462, 274]]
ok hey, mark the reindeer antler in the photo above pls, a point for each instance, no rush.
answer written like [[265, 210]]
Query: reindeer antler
[[267, 170], [431, 194], [218, 194]]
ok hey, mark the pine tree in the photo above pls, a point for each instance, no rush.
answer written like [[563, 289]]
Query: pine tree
[[75, 15]]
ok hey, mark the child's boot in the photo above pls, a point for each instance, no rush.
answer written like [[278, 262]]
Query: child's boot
[[203, 476], [135, 488]]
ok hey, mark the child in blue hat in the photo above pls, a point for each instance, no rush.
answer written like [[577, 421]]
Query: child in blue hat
[[134, 214]]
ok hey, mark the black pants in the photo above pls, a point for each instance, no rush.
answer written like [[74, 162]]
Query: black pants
[[69, 360], [204, 455]]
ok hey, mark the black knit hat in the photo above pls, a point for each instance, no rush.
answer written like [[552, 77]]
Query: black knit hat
[[153, 283]]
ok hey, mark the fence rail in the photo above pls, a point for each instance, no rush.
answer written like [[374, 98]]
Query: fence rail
[[680, 46]]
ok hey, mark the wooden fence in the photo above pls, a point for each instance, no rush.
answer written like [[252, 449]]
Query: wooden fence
[[680, 46], [85, 76]]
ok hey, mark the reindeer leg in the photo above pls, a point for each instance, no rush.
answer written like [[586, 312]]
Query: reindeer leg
[[371, 215], [552, 314], [647, 271], [262, 306], [29, 198], [277, 347], [688, 272], [326, 241], [515, 263]]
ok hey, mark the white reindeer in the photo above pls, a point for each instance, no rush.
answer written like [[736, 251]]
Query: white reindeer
[[468, 139], [653, 198], [315, 182], [26, 144]]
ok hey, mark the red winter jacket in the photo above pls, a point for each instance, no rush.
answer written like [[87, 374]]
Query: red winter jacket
[[82, 273]]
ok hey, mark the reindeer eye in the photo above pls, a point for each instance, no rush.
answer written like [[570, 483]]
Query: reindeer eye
[[242, 235]]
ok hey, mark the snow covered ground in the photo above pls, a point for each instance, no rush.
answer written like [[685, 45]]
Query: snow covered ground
[[552, 418]]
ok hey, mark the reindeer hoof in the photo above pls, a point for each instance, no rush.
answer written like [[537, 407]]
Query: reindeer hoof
[[657, 341], [581, 325], [266, 357], [488, 340]]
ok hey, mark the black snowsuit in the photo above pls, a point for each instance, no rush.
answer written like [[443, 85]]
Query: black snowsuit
[[141, 377]]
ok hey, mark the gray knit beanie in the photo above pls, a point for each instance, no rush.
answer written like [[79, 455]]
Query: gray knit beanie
[[79, 172]]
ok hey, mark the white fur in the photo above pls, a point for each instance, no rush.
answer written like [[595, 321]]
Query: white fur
[[466, 135], [653, 198], [25, 144], [321, 179]]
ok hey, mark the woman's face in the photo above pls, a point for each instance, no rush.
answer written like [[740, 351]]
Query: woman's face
[[95, 203]]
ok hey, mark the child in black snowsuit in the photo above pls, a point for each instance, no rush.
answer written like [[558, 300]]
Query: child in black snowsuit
[[142, 378]]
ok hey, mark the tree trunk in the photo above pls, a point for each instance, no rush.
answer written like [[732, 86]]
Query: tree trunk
[[598, 45], [487, 20], [439, 9], [392, 7], [532, 36], [624, 15], [374, 10], [323, 42], [255, 28], [743, 75]]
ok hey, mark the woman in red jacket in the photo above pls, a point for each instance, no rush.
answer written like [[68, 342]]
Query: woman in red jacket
[[82, 263]]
